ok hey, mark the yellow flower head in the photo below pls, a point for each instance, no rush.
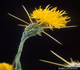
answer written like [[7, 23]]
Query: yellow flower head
[[50, 17], [5, 66], [44, 19]]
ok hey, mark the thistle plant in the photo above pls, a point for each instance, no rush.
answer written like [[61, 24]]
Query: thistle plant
[[44, 19]]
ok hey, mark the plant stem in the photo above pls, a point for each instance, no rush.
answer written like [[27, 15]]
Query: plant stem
[[25, 36]]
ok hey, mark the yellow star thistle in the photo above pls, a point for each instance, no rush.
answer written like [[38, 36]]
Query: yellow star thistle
[[43, 19], [50, 17], [5, 66]]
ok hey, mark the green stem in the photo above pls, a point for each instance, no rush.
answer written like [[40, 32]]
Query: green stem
[[30, 30], [18, 55]]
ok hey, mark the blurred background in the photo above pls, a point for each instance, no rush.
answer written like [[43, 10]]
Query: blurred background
[[38, 47]]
